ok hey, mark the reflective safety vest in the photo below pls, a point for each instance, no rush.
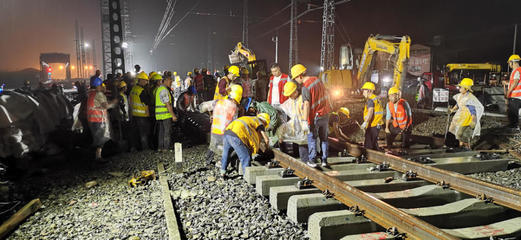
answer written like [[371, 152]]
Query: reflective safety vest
[[283, 80], [378, 112], [246, 129], [320, 105], [94, 114], [162, 112], [400, 118], [217, 95], [139, 109], [224, 112], [516, 92]]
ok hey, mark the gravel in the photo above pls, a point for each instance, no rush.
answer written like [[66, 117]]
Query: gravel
[[510, 178], [211, 207], [109, 209]]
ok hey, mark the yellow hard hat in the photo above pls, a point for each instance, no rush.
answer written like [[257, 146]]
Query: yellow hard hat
[[236, 93], [344, 111], [245, 71], [369, 86], [264, 117], [466, 83], [289, 88], [157, 77], [151, 74], [189, 74], [142, 75], [122, 84], [393, 90], [175, 73], [514, 57], [297, 70], [234, 70]]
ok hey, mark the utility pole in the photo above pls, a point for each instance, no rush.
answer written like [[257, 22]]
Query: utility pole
[[245, 23], [515, 39], [327, 50], [78, 52], [82, 48], [94, 63], [293, 35], [276, 40]]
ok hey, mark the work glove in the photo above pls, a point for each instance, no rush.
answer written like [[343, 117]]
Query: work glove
[[364, 125]]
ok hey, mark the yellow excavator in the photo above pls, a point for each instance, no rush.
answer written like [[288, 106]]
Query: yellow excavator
[[397, 46], [483, 74], [241, 55]]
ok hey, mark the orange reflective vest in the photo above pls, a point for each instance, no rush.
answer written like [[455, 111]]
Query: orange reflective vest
[[319, 105], [224, 112], [516, 92], [400, 118], [94, 114], [283, 79]]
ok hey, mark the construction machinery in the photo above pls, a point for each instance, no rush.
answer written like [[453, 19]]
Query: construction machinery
[[245, 58], [399, 49]]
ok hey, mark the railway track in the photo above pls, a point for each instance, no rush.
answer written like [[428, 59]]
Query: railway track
[[391, 197]]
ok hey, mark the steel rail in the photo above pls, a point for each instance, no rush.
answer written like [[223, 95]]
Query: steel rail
[[484, 190], [380, 212]]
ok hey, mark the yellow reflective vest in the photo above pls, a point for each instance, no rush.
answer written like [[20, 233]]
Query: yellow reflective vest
[[246, 129], [378, 112], [217, 95], [161, 111], [139, 109]]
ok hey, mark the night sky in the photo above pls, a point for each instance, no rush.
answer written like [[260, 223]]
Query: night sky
[[472, 30]]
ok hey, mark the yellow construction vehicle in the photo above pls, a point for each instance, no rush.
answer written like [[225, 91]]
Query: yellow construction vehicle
[[241, 55], [483, 74], [398, 47]]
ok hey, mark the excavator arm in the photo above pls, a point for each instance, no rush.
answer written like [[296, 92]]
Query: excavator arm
[[384, 44], [240, 54]]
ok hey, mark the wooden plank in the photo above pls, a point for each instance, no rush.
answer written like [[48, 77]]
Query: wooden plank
[[19, 217], [178, 157], [171, 220]]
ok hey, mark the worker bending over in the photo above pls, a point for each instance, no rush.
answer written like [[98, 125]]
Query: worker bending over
[[223, 87], [244, 136], [224, 112], [164, 113], [513, 94], [373, 116], [316, 108], [466, 122], [337, 121], [400, 115]]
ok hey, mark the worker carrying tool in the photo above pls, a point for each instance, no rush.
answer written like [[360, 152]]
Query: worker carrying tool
[[373, 116], [224, 112], [337, 121], [223, 87], [244, 136], [164, 114], [316, 107], [140, 110], [276, 86], [465, 124], [97, 116], [399, 113], [513, 94]]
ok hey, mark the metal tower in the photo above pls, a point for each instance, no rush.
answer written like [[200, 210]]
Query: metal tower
[[293, 35], [112, 36], [327, 52], [245, 23], [127, 35]]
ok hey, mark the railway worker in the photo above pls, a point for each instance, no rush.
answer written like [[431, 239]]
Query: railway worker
[[246, 84], [513, 94], [97, 116], [223, 87], [316, 107], [224, 112], [276, 85], [373, 116], [337, 121], [164, 114], [244, 136], [398, 112], [138, 103], [123, 101], [297, 127], [188, 82], [466, 122]]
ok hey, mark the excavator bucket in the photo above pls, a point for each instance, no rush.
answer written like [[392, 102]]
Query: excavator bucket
[[235, 58]]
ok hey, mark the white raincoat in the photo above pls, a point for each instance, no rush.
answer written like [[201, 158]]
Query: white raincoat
[[461, 115], [293, 129]]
